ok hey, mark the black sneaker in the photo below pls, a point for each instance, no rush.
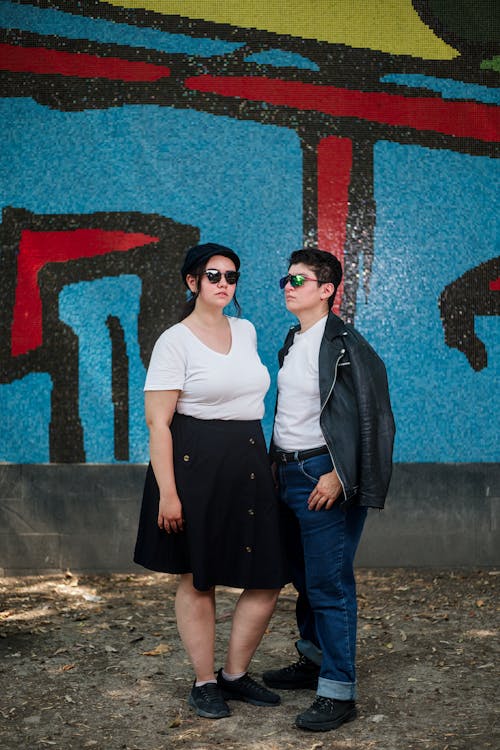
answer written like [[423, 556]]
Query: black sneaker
[[208, 702], [246, 689], [302, 674], [326, 713]]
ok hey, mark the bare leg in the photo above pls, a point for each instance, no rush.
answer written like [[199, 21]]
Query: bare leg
[[250, 620], [195, 611]]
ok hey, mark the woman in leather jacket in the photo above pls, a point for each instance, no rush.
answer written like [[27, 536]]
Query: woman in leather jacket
[[362, 451], [332, 445]]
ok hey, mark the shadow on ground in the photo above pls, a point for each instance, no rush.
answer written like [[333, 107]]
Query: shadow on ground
[[96, 662]]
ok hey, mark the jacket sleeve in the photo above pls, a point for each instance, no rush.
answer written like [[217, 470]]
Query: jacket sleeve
[[376, 424]]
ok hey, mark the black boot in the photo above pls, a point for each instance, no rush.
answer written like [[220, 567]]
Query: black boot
[[302, 674], [326, 713]]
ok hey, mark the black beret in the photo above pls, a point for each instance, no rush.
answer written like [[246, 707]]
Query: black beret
[[198, 254]]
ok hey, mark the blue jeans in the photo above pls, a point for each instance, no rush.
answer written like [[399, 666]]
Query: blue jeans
[[321, 548]]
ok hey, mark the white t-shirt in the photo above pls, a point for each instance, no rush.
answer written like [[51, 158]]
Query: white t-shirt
[[212, 385], [296, 426]]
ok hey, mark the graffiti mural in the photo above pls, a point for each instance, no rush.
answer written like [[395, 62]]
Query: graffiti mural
[[473, 294], [133, 129], [59, 312]]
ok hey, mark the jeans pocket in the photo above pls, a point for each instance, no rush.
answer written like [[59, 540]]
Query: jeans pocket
[[314, 468], [313, 480], [309, 471]]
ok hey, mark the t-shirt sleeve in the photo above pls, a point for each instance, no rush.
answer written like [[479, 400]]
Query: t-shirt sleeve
[[167, 367]]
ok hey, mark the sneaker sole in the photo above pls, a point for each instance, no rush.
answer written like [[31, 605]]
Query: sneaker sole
[[207, 714], [327, 725]]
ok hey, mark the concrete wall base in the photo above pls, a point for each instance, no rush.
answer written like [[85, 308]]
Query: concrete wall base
[[83, 517]]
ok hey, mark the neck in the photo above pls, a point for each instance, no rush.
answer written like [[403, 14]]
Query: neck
[[310, 317], [207, 317]]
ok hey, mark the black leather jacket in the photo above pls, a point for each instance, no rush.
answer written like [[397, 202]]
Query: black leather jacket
[[356, 416]]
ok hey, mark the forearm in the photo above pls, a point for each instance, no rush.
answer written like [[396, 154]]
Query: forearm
[[162, 457]]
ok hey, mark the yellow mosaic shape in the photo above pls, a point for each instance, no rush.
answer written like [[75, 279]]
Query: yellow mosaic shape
[[386, 25]]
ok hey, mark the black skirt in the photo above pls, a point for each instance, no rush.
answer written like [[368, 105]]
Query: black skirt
[[232, 518]]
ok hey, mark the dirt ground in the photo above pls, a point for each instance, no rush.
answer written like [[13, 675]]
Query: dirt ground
[[95, 662]]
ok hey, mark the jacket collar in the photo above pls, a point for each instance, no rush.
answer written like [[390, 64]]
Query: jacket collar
[[334, 327]]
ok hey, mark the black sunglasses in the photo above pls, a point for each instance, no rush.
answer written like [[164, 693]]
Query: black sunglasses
[[215, 276], [297, 279]]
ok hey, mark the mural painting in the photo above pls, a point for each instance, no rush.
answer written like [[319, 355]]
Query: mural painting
[[134, 129]]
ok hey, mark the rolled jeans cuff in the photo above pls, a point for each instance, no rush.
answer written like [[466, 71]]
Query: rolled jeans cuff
[[341, 691], [309, 650]]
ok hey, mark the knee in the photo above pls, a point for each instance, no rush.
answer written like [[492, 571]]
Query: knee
[[270, 595], [263, 598], [273, 596], [322, 587], [186, 590]]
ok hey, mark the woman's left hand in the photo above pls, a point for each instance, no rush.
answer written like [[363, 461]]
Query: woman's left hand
[[326, 492]]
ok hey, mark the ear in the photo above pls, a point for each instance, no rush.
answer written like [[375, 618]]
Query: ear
[[192, 283], [327, 289]]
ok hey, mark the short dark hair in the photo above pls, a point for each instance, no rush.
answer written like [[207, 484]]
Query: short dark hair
[[325, 265]]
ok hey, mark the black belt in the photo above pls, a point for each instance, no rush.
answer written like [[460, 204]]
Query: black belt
[[285, 457]]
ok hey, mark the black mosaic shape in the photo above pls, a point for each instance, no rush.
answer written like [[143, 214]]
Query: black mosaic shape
[[474, 293]]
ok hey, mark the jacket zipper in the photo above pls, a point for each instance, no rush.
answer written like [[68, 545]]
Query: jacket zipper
[[321, 412]]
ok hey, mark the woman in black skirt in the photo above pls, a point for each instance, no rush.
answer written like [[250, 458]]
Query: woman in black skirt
[[209, 510]]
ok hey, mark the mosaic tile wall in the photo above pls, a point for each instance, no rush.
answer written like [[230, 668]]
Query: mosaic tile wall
[[131, 130]]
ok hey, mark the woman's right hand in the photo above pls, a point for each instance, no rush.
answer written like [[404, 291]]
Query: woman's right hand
[[170, 513]]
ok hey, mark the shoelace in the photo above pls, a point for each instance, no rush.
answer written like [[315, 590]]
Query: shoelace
[[322, 701], [247, 681], [302, 662], [211, 693]]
